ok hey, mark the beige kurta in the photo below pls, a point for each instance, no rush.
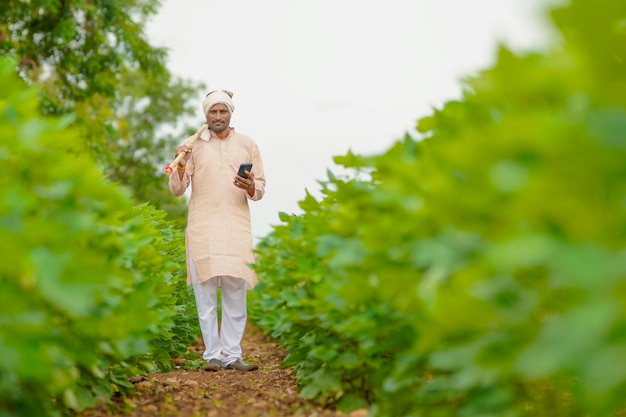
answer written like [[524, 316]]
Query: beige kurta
[[219, 235]]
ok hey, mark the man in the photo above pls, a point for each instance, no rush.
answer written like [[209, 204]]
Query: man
[[218, 237]]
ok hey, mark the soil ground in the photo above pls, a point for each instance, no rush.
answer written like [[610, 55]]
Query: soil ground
[[268, 391]]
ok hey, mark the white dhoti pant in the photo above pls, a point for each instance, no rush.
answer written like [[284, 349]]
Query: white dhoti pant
[[224, 342]]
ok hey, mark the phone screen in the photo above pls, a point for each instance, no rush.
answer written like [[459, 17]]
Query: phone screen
[[243, 168]]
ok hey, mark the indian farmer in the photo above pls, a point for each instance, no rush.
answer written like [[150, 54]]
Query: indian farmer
[[218, 237]]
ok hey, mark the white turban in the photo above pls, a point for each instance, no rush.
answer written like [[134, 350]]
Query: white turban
[[218, 97]]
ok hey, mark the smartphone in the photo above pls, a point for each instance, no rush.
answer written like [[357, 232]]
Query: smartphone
[[243, 168]]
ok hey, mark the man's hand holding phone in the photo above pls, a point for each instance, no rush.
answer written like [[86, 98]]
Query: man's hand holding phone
[[245, 178]]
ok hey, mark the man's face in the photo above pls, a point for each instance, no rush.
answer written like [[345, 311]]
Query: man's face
[[218, 118]]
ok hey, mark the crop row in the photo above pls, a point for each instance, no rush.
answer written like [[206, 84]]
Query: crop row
[[479, 270]]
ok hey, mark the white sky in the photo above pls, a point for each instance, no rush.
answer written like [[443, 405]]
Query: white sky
[[316, 78]]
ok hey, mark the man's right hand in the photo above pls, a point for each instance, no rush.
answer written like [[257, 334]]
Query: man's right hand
[[183, 148]]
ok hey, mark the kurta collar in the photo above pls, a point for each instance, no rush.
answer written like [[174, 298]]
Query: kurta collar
[[207, 135]]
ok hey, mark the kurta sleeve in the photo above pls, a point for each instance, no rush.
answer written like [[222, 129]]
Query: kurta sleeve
[[178, 185], [259, 175]]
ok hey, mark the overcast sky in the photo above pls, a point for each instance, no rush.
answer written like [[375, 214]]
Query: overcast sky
[[315, 78]]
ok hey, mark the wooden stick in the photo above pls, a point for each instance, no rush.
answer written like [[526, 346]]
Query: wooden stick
[[170, 168]]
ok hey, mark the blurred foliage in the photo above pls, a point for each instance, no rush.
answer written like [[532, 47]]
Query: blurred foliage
[[91, 286], [92, 59], [479, 270]]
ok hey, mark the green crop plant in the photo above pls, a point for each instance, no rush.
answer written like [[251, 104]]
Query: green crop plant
[[90, 285], [479, 270]]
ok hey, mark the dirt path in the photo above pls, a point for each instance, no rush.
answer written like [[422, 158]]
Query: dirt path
[[269, 391]]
